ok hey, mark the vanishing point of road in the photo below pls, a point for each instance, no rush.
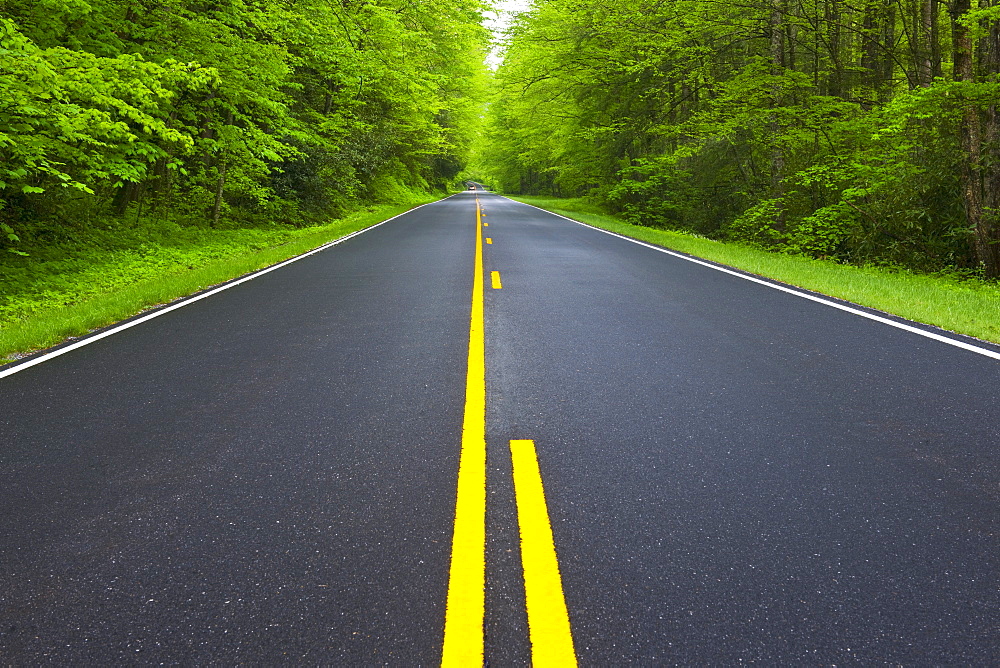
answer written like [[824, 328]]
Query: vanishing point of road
[[482, 432]]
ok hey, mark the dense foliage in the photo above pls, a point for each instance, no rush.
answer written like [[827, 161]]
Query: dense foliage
[[228, 112], [866, 132]]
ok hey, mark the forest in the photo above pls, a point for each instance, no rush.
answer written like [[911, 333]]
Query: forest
[[865, 132], [227, 113], [142, 139]]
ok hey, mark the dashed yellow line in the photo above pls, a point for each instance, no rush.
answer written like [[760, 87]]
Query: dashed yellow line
[[464, 616], [548, 619], [495, 279]]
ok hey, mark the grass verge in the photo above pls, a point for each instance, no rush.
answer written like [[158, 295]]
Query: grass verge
[[968, 307], [59, 306]]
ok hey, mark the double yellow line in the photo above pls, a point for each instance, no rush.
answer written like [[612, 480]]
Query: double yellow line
[[464, 617], [548, 620]]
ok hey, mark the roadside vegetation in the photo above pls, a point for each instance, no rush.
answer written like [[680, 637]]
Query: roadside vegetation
[[48, 301], [148, 149], [951, 301], [864, 132]]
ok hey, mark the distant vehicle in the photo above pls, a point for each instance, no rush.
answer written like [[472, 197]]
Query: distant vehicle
[[472, 187]]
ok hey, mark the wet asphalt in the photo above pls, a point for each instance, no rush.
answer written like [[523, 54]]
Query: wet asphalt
[[734, 475]]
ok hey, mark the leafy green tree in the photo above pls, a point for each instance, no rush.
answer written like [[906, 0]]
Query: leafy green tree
[[865, 131], [231, 111]]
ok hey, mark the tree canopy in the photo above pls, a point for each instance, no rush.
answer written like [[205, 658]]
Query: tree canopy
[[866, 132], [863, 131], [231, 111]]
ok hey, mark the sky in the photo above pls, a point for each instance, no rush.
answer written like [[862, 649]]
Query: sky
[[498, 21]]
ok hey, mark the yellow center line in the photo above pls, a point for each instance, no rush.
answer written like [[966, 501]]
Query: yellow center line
[[548, 619], [464, 616], [495, 279]]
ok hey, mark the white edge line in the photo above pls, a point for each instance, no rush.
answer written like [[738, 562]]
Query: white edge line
[[87, 340], [885, 321]]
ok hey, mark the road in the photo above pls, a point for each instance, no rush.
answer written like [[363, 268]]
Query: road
[[732, 474]]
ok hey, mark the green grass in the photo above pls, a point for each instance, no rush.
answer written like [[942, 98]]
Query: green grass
[[969, 307], [46, 301]]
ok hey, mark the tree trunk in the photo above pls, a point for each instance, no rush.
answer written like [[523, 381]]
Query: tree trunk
[[883, 87], [925, 41], [219, 189], [972, 176], [869, 52], [987, 243], [791, 39], [777, 69], [223, 165], [127, 193], [835, 86], [935, 39], [777, 37]]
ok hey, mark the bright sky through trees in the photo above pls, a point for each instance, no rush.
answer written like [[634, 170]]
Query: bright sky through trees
[[498, 21]]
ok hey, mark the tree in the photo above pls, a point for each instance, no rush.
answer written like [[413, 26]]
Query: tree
[[846, 130], [232, 111]]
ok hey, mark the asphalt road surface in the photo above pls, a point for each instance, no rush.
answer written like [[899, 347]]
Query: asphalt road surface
[[733, 474]]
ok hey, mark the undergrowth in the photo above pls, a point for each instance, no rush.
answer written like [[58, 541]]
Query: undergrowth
[[69, 289]]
